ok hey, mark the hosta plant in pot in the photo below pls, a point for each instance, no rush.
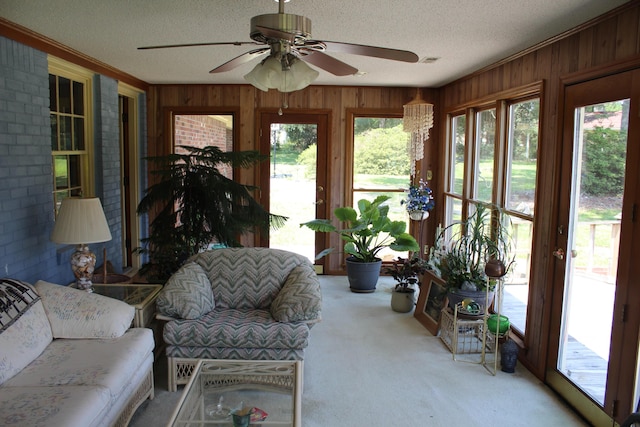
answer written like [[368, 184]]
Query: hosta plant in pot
[[367, 231], [464, 250], [406, 272]]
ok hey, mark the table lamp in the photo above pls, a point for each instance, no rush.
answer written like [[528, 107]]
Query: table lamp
[[81, 221]]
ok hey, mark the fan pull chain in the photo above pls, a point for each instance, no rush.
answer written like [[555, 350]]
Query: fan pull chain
[[285, 103]]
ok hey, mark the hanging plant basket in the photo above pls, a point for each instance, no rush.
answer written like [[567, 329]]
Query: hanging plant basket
[[418, 215]]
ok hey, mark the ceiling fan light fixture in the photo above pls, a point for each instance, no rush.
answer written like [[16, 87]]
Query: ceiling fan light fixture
[[264, 74], [285, 76], [298, 76]]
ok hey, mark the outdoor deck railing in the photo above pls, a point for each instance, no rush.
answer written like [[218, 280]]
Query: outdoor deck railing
[[594, 251]]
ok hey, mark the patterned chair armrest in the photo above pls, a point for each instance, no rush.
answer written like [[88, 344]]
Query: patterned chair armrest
[[300, 299]]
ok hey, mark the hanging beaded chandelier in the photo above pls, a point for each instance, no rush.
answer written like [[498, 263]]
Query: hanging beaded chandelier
[[417, 120]]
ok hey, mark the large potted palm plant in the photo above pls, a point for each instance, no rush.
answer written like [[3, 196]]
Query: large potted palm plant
[[368, 230], [196, 205]]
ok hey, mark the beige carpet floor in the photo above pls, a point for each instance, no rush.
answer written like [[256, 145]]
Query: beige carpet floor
[[367, 365]]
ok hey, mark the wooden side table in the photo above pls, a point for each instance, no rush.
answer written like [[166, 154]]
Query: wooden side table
[[141, 296]]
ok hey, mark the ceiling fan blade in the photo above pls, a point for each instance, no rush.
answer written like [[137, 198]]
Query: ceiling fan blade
[[327, 63], [195, 44], [239, 60], [377, 52]]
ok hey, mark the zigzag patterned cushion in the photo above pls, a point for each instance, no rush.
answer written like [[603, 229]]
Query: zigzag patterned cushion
[[187, 294], [246, 278], [235, 353], [300, 298], [231, 328]]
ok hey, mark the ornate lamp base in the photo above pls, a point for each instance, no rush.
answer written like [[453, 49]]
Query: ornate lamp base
[[83, 261]]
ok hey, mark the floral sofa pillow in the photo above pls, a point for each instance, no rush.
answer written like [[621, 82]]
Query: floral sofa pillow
[[75, 313]]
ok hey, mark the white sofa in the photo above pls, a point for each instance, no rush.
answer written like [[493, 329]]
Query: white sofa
[[69, 358]]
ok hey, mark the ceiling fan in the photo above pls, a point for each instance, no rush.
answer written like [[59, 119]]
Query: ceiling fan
[[288, 41]]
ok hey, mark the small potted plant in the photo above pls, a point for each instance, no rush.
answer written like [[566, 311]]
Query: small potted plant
[[406, 272], [368, 230], [463, 253], [419, 201]]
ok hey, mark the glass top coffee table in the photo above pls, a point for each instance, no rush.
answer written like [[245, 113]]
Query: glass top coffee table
[[217, 387]]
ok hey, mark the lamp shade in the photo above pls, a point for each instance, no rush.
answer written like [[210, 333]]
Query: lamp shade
[[80, 220], [270, 74], [264, 74], [298, 77]]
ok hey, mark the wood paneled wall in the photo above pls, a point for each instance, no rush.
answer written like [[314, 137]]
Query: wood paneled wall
[[248, 102], [605, 46]]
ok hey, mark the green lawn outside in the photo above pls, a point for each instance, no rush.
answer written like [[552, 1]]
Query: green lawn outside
[[292, 184]]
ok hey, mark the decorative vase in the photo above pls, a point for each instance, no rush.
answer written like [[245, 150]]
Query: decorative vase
[[403, 302], [418, 215], [363, 276], [495, 268], [501, 324]]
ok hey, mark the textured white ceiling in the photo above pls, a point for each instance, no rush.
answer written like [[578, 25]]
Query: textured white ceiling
[[464, 34]]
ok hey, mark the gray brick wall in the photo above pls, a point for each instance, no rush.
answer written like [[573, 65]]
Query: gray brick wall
[[107, 161], [26, 201]]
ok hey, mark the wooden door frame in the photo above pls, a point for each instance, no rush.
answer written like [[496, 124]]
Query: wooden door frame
[[130, 173]]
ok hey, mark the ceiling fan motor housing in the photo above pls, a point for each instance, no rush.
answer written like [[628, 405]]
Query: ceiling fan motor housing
[[298, 25]]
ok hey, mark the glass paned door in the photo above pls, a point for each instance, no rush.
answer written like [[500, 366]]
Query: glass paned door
[[593, 337], [293, 184], [294, 150], [600, 145]]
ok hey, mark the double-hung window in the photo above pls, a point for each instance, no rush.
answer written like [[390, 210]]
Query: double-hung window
[[491, 158], [71, 141]]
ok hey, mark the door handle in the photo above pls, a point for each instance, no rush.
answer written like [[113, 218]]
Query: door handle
[[558, 253], [319, 202]]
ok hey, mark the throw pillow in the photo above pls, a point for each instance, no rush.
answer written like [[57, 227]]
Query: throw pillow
[[300, 298], [24, 327], [187, 294], [74, 313]]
